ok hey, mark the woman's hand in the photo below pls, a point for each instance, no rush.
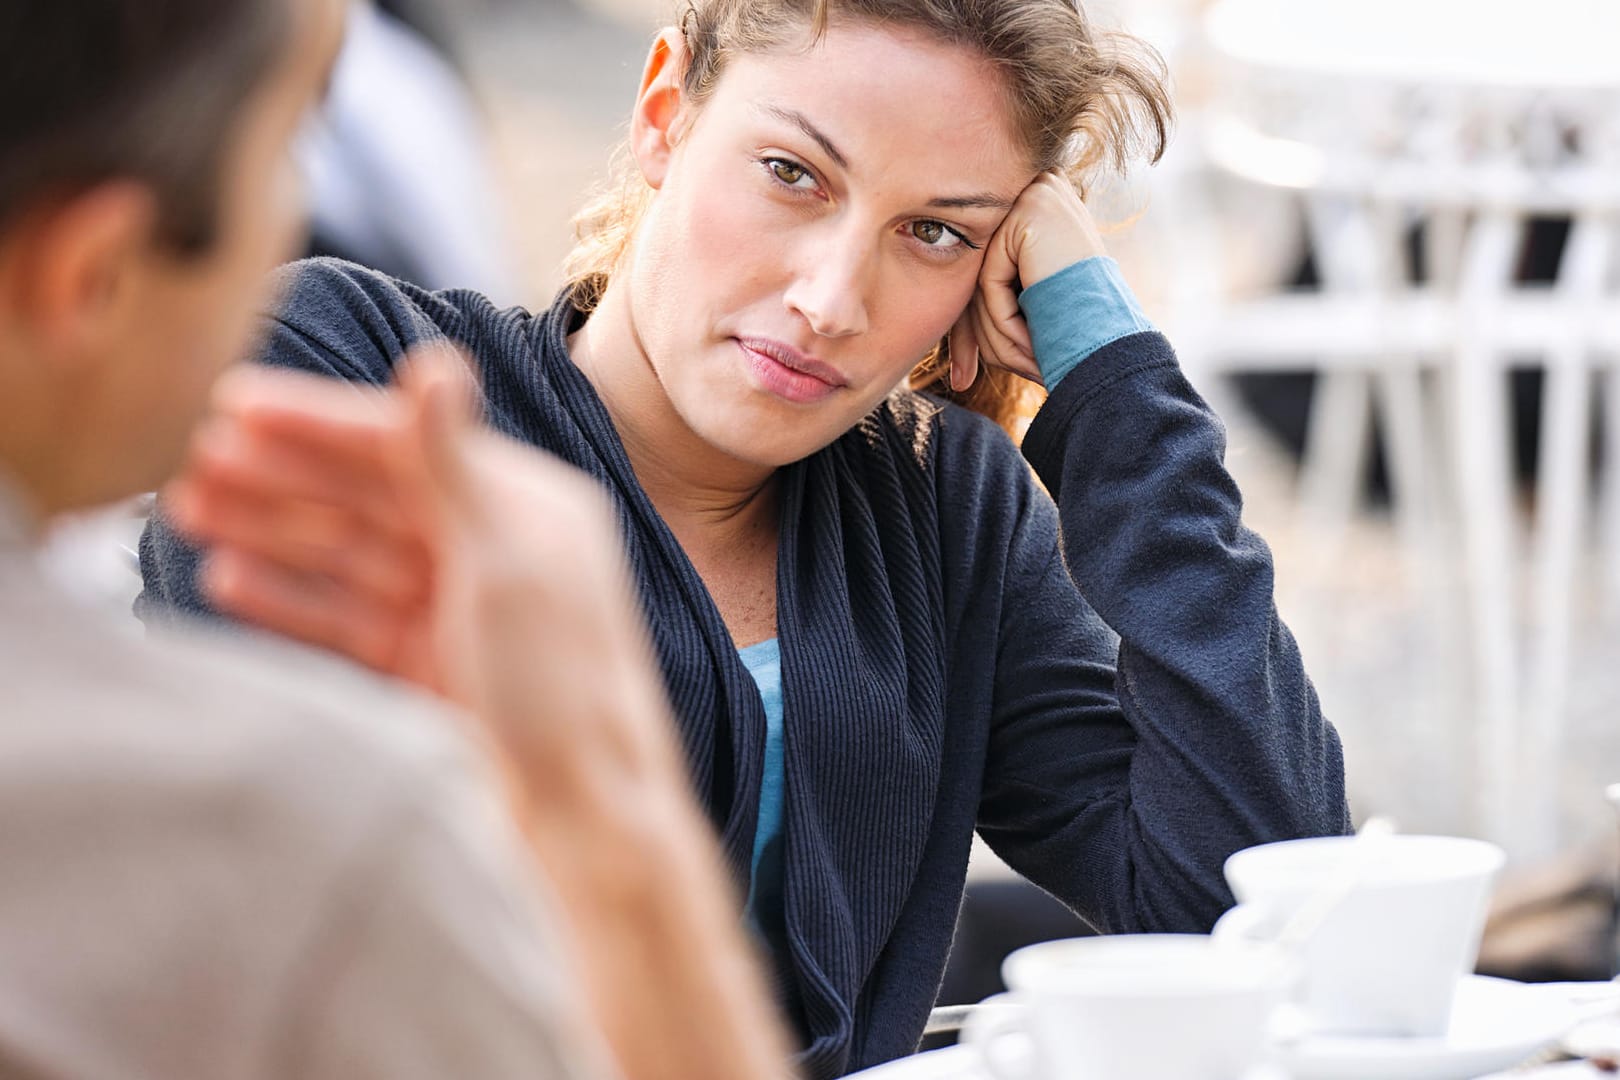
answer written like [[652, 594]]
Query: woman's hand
[[1047, 230]]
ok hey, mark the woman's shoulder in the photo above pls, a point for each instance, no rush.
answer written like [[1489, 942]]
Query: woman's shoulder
[[360, 321], [940, 437], [935, 462]]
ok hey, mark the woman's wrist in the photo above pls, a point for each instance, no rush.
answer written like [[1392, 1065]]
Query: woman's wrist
[[1076, 311]]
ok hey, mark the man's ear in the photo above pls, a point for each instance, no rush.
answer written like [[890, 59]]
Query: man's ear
[[69, 264], [660, 106]]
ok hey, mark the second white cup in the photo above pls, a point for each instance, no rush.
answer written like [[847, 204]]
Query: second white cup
[[1386, 957]]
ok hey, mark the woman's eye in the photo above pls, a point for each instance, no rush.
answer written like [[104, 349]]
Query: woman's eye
[[935, 234], [790, 173]]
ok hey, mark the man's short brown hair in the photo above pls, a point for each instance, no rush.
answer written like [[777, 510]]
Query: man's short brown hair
[[96, 90]]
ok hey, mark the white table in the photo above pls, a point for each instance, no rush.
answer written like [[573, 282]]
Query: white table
[[958, 1063], [1470, 116], [1585, 1035]]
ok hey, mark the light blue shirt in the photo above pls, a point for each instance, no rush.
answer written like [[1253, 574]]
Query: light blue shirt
[[764, 907], [1077, 311]]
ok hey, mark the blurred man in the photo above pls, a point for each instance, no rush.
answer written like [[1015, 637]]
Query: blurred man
[[232, 861]]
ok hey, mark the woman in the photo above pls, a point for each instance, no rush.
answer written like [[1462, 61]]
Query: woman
[[874, 634]]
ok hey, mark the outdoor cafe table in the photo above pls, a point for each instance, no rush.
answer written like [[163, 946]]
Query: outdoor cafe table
[[1586, 1032], [959, 1063]]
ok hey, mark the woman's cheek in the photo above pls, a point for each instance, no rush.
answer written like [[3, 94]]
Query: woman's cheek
[[928, 310], [730, 211]]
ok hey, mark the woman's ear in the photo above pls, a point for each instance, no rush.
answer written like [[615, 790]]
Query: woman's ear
[[654, 124]]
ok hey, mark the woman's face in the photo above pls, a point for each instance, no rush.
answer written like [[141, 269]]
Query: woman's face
[[817, 225]]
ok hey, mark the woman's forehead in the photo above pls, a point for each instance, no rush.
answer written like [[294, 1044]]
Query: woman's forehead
[[882, 96]]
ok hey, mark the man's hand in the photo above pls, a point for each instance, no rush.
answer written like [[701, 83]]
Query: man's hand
[[390, 526], [295, 487]]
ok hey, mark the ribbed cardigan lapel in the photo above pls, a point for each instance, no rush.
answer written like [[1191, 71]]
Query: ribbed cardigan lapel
[[860, 609]]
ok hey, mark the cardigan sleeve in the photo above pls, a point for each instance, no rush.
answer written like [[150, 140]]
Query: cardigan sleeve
[[1122, 787], [337, 320]]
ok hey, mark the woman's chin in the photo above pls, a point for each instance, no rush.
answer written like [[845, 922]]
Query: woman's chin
[[766, 450], [759, 434], [768, 445]]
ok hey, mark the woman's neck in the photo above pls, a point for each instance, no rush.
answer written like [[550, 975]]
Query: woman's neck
[[701, 492]]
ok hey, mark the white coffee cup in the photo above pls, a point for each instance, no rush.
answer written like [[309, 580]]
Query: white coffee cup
[[1385, 957], [1132, 1007]]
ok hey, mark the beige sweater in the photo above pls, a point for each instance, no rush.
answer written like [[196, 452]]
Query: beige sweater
[[224, 859]]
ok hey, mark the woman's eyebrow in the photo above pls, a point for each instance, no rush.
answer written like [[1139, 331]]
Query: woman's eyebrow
[[987, 200], [802, 122], [979, 200]]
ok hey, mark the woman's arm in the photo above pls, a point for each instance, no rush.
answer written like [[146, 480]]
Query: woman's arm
[[1214, 739], [1123, 790]]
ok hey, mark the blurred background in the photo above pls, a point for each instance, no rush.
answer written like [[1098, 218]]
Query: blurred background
[[1384, 243]]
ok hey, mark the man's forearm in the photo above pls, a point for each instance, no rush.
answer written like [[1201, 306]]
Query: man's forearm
[[553, 656], [675, 984], [672, 979]]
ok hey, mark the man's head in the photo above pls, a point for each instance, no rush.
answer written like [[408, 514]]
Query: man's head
[[145, 191]]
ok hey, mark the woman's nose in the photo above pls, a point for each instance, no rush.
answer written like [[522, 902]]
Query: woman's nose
[[831, 289]]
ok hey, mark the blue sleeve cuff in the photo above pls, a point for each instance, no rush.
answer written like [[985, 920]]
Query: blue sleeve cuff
[[1077, 311]]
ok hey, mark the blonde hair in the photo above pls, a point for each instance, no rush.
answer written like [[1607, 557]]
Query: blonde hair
[[1083, 101]]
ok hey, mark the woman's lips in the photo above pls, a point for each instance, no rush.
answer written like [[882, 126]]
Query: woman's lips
[[788, 373]]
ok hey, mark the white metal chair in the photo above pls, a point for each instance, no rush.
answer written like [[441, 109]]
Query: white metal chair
[[1468, 126]]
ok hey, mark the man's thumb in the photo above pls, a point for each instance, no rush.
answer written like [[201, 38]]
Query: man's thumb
[[445, 403]]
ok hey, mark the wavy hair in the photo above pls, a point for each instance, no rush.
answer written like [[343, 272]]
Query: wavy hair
[[1082, 100]]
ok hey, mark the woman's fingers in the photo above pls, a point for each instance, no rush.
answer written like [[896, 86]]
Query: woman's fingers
[[1000, 304], [998, 324], [964, 352], [1048, 229], [996, 341], [991, 342], [1056, 230]]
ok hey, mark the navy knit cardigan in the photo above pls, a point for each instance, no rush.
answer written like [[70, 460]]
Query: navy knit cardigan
[[1099, 684]]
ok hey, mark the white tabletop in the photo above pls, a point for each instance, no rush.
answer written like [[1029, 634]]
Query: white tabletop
[[1554, 44], [959, 1063], [1593, 1026], [951, 1063]]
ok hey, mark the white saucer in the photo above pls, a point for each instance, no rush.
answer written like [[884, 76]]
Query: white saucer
[[1494, 1023], [1596, 1033]]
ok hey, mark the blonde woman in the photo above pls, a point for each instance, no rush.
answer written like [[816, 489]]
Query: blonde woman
[[876, 636]]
